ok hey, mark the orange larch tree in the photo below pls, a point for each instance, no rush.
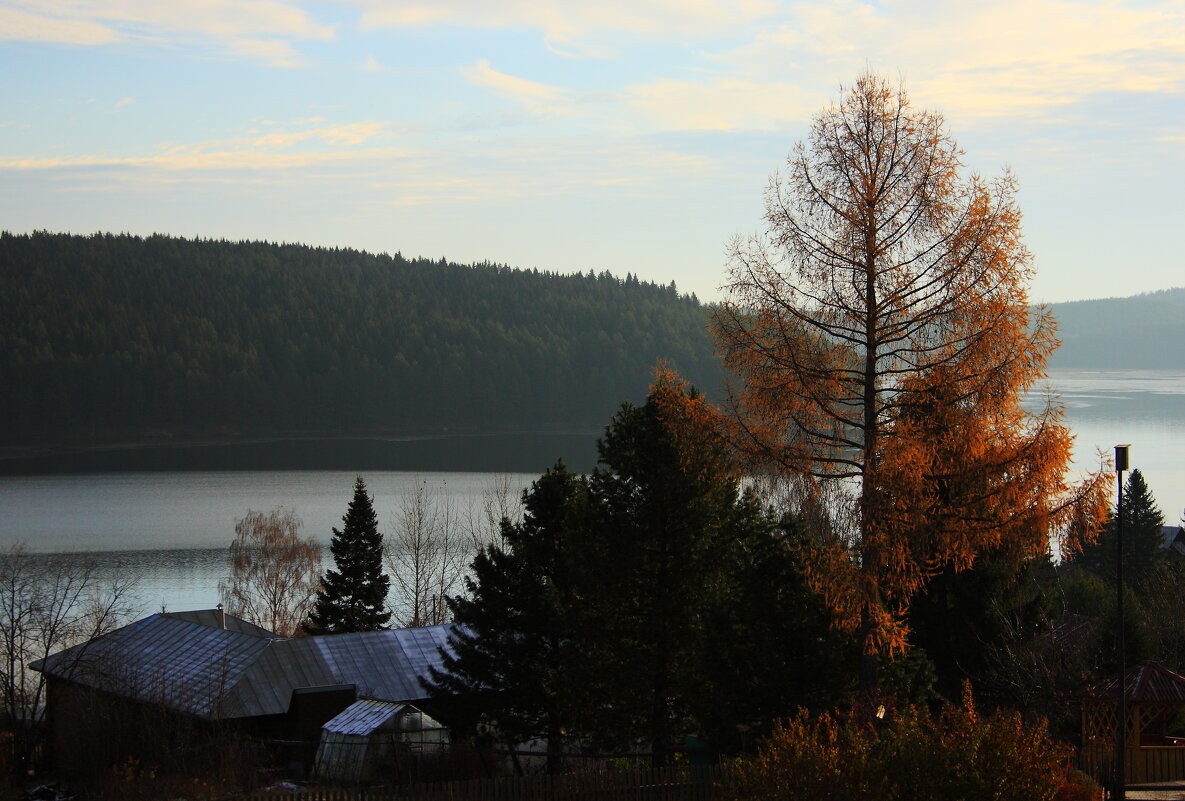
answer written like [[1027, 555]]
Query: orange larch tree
[[881, 342]]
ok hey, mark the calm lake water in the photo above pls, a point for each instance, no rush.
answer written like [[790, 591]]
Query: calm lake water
[[170, 527]]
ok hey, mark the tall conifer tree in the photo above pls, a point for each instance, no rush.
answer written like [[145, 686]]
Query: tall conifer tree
[[353, 597], [1143, 536], [513, 656]]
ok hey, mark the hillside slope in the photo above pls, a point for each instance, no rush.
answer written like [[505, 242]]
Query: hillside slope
[[107, 336], [1139, 332]]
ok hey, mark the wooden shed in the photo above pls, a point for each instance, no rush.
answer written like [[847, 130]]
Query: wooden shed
[[1155, 738], [370, 739]]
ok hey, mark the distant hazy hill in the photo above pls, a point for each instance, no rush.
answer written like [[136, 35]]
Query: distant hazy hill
[[117, 336], [1139, 332]]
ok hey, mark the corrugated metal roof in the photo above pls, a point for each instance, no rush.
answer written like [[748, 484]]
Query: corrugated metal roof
[[221, 673], [216, 619], [162, 659], [384, 664], [1149, 682], [363, 717]]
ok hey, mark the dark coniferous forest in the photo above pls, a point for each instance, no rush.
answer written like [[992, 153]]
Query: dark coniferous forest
[[114, 336]]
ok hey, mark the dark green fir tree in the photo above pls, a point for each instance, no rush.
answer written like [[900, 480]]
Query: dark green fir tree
[[513, 653], [1143, 536], [353, 596], [666, 510]]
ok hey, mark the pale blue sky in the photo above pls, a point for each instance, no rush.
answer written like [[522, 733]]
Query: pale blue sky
[[627, 135]]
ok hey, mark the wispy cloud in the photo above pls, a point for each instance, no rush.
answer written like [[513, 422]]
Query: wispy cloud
[[349, 135], [17, 24], [565, 24], [536, 97], [186, 159], [415, 173], [277, 149], [258, 29], [995, 58], [722, 104], [1006, 58]]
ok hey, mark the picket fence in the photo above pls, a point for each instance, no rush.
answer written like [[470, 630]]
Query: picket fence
[[659, 784]]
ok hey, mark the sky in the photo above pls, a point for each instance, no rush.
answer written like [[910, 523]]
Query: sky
[[634, 136]]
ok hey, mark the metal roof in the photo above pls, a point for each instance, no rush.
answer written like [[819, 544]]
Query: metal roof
[[1149, 682], [182, 665], [222, 673], [216, 619], [363, 717], [384, 664]]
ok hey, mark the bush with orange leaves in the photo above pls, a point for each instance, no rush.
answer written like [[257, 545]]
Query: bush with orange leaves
[[956, 754]]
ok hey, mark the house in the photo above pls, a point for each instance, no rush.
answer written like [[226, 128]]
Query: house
[[171, 680]]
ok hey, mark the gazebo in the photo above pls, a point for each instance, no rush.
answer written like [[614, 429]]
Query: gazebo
[[1155, 742]]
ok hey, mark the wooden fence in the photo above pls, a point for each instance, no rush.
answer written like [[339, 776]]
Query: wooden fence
[[1144, 763], [660, 784]]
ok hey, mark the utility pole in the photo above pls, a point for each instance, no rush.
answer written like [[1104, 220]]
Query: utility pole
[[1120, 791]]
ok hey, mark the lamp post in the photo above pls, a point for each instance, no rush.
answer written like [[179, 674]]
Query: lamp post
[[1121, 697]]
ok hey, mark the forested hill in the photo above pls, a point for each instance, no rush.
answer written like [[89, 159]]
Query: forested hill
[[1139, 332], [125, 337]]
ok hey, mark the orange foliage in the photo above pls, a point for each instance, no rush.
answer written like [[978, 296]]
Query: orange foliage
[[881, 340], [958, 753]]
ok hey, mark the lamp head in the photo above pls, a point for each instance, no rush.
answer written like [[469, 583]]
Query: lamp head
[[1121, 458]]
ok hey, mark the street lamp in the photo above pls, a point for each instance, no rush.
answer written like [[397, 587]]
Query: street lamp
[[1121, 698]]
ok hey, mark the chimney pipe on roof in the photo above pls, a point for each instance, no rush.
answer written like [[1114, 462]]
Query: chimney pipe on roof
[[221, 617]]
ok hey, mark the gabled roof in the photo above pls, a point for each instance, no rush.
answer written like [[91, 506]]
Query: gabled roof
[[384, 665], [217, 619], [1149, 682], [179, 664], [1172, 538], [226, 673]]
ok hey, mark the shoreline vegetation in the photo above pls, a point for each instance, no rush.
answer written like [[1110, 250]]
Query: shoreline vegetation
[[527, 451]]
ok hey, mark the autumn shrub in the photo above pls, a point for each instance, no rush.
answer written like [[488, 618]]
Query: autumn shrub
[[828, 757], [1077, 786], [954, 755]]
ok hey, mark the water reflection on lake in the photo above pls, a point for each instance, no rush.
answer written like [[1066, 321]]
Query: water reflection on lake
[[1143, 408], [170, 528]]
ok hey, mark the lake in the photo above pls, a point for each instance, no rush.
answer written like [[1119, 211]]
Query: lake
[[171, 530], [139, 513]]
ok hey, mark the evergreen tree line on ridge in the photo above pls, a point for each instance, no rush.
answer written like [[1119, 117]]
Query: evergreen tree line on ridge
[[108, 336]]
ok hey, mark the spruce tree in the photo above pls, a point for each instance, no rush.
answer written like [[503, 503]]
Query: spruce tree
[[353, 597], [512, 657], [666, 510], [1143, 536]]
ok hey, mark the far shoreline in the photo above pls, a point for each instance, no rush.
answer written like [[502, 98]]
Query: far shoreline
[[492, 451]]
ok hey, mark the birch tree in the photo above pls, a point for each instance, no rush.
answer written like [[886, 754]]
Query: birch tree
[[426, 556], [274, 572]]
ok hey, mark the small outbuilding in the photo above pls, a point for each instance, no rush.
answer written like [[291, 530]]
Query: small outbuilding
[[369, 739], [1155, 748]]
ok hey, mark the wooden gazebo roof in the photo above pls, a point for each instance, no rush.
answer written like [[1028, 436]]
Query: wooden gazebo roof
[[1146, 683]]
